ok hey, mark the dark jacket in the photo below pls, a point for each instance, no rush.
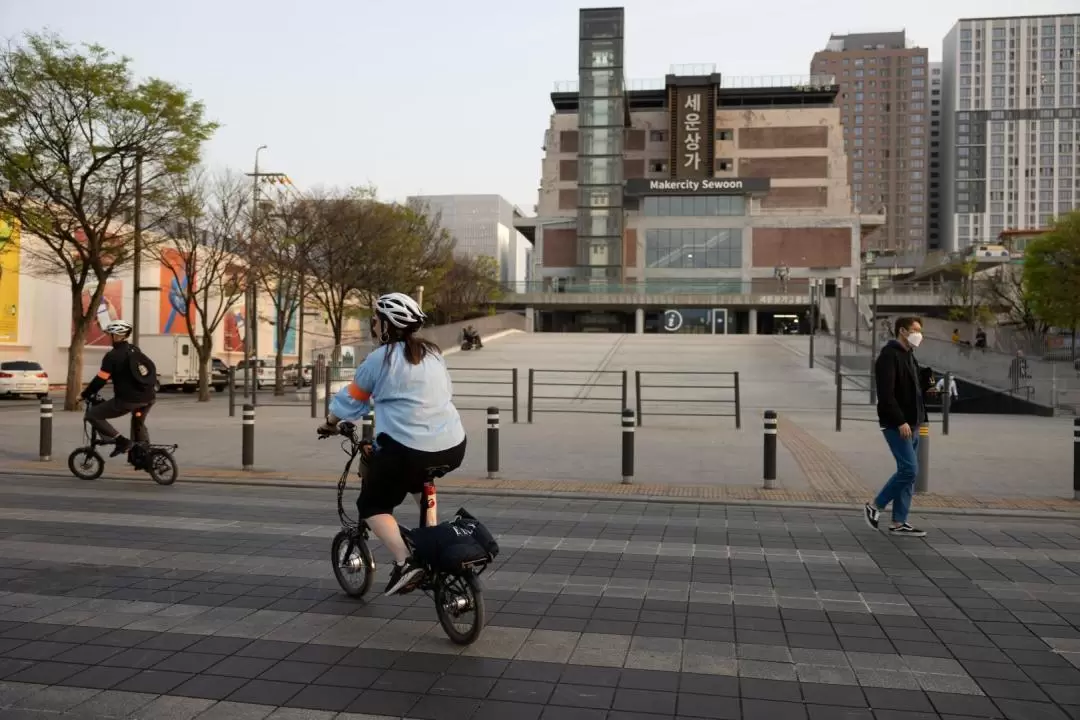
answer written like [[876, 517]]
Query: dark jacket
[[901, 384], [116, 366]]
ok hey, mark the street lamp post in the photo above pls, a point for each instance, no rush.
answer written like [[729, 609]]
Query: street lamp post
[[813, 318], [251, 324], [874, 281]]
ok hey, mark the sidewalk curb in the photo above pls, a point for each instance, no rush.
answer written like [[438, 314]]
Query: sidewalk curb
[[241, 481]]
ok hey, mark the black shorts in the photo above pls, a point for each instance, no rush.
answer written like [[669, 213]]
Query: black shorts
[[394, 471]]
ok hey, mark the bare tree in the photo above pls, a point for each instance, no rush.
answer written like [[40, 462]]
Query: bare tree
[[210, 217], [74, 126], [466, 289], [351, 248], [279, 259]]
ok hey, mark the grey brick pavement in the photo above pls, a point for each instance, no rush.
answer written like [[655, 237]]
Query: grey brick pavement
[[127, 600]]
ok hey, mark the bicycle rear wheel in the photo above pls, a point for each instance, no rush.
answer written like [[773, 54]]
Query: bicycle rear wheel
[[162, 466], [86, 464], [459, 603], [353, 563]]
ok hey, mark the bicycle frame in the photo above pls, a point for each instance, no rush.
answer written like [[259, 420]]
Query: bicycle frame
[[94, 439], [353, 446]]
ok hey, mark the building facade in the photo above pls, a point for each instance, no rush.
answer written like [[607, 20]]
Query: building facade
[[1010, 124], [695, 184], [933, 215], [884, 101], [483, 225]]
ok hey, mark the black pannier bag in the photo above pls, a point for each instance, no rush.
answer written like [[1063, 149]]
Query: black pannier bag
[[450, 546]]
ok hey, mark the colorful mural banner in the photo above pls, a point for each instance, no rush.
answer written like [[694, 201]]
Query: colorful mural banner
[[235, 330], [110, 308], [172, 315], [9, 280]]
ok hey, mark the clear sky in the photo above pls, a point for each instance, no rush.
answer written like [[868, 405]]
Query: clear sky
[[436, 97]]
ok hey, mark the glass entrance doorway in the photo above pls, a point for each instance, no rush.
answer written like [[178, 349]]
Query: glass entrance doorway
[[719, 321]]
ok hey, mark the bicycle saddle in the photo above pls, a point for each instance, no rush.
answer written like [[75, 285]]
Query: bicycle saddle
[[437, 471]]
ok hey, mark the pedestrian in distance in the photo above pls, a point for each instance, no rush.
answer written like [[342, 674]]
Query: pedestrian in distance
[[901, 384]]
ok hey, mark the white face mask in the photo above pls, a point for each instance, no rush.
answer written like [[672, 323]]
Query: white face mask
[[914, 339]]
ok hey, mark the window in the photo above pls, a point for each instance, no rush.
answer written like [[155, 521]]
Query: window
[[691, 206], [658, 136], [725, 164], [725, 134], [658, 166], [694, 248]]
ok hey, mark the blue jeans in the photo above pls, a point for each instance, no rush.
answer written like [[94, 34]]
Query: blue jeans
[[900, 486]]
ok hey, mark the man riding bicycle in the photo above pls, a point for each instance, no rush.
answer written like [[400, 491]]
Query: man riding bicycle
[[133, 379], [418, 426]]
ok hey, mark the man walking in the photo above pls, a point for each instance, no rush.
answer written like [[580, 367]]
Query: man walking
[[900, 387]]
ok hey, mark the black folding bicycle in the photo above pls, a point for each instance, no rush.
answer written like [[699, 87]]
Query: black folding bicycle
[[86, 463], [458, 597]]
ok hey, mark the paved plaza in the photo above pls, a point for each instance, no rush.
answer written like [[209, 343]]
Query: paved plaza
[[124, 599], [575, 435]]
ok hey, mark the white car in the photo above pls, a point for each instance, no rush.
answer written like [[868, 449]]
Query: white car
[[23, 377], [262, 373]]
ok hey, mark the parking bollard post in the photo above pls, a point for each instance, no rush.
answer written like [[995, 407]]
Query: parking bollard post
[[922, 479], [771, 424], [45, 438], [514, 389], [492, 442], [367, 426], [1076, 458], [628, 424], [329, 371], [232, 392], [248, 450], [316, 378], [946, 404]]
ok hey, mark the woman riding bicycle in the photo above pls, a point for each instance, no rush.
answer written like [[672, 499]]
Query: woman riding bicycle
[[418, 426]]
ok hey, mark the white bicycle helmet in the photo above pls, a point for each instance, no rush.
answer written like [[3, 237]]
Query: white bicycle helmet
[[400, 310], [118, 327]]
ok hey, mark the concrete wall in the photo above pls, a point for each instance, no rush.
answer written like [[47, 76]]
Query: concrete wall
[[448, 336]]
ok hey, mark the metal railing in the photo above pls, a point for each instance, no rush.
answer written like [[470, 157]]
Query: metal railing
[[581, 401], [668, 404], [495, 387], [647, 287], [804, 82]]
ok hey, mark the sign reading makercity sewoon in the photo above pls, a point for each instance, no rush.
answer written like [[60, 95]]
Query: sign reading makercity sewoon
[[690, 186]]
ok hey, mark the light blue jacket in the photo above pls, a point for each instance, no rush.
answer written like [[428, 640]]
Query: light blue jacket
[[415, 405]]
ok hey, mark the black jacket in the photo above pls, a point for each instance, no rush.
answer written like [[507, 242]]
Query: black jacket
[[901, 384], [116, 366]]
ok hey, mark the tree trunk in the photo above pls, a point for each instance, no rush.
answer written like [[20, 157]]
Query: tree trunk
[[81, 322], [205, 351]]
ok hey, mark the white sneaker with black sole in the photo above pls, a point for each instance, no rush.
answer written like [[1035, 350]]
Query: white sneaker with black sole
[[871, 515], [400, 576], [907, 531]]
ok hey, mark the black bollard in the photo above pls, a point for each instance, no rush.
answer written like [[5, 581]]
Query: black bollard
[[367, 426], [771, 424], [316, 377], [946, 403], [45, 438], [248, 449], [628, 423], [492, 442]]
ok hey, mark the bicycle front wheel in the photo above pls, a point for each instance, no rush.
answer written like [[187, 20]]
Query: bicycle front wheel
[[162, 467], [353, 563], [459, 603], [86, 464]]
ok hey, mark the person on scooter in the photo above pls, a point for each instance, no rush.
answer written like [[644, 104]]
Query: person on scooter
[[133, 377], [471, 337], [418, 426]]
